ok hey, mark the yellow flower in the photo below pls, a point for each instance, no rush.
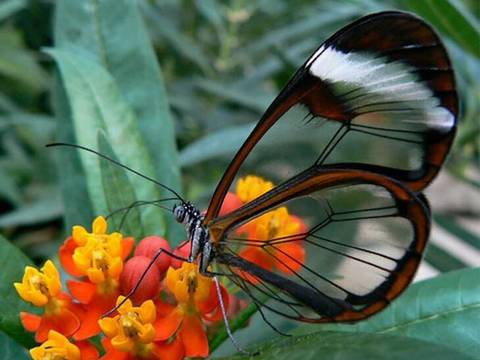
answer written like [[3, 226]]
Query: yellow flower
[[275, 224], [56, 347], [99, 255], [251, 187], [99, 229], [39, 287], [187, 284], [132, 330]]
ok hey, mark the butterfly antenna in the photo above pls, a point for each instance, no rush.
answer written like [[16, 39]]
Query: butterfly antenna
[[118, 164], [225, 319]]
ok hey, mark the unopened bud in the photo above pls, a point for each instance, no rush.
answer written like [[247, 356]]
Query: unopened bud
[[150, 246], [149, 286]]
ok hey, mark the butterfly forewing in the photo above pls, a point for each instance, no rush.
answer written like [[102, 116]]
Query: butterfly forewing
[[361, 244], [378, 95]]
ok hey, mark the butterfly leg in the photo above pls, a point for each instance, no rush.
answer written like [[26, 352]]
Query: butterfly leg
[[225, 319]]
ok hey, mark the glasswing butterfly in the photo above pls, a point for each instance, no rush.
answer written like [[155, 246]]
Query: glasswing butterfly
[[378, 105]]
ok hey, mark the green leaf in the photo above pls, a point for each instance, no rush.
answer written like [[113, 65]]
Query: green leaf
[[451, 19], [113, 33], [210, 9], [302, 27], [247, 97], [222, 142], [71, 177], [444, 310], [10, 349], [8, 189], [118, 192], [46, 208], [185, 46], [97, 105], [348, 346], [10, 7], [452, 226], [19, 64], [441, 259], [13, 263]]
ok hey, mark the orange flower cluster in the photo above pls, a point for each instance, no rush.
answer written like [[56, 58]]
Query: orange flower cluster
[[288, 253], [165, 318], [168, 314]]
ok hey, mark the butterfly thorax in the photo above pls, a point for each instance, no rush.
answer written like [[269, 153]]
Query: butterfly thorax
[[198, 235]]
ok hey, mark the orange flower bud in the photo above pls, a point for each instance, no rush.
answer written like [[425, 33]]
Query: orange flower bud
[[150, 246], [132, 272]]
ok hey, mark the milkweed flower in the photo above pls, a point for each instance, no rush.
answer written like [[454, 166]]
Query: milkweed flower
[[286, 253], [131, 334], [43, 289], [97, 259], [57, 346], [97, 255], [197, 303]]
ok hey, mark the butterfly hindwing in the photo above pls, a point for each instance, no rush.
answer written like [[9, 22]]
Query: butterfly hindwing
[[364, 238]]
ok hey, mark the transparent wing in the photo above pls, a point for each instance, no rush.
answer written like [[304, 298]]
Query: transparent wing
[[379, 95], [329, 245]]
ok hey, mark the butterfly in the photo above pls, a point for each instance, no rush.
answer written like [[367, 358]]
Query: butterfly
[[376, 108]]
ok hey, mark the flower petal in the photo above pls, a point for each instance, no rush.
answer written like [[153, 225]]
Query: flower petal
[[30, 322], [194, 337], [87, 350], [230, 203], [147, 312], [65, 255], [290, 257], [167, 326], [127, 246], [213, 313], [79, 235], [96, 308], [122, 343], [109, 326], [99, 225], [81, 290], [163, 308], [146, 334], [95, 275], [66, 323], [115, 268], [111, 353], [169, 351], [257, 256]]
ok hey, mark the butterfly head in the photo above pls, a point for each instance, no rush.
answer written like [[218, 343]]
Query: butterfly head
[[179, 212]]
